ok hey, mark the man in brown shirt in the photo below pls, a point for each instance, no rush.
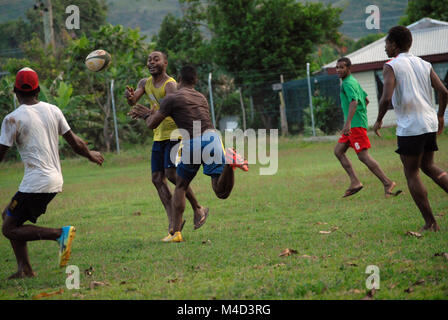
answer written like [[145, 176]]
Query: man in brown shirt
[[201, 144]]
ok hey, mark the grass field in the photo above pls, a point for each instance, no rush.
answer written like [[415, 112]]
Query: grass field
[[235, 255]]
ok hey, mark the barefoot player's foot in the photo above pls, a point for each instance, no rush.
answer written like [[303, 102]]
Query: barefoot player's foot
[[352, 190], [22, 274], [388, 190], [200, 217], [430, 227]]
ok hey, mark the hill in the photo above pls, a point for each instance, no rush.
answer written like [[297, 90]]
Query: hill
[[148, 14]]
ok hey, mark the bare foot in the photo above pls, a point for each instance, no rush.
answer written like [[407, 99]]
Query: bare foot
[[352, 190], [200, 216], [430, 227], [388, 190], [22, 274]]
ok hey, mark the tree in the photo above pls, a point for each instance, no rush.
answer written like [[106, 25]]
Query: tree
[[257, 40], [418, 9]]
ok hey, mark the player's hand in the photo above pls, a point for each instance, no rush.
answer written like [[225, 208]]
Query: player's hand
[[346, 129], [139, 111], [96, 157], [441, 124], [129, 93], [377, 127]]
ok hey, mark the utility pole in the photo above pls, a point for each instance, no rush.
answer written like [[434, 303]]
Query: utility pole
[[242, 108], [48, 25], [311, 97], [283, 119]]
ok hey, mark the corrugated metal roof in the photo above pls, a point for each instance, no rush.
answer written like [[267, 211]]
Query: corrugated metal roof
[[428, 41]]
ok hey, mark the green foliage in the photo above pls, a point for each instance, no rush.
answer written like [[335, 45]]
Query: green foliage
[[418, 9], [84, 96], [328, 117]]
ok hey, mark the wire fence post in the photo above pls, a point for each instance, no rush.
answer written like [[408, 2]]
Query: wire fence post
[[211, 99], [115, 116], [311, 97], [243, 109]]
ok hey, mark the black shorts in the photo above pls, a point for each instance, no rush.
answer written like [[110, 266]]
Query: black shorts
[[28, 206], [415, 145]]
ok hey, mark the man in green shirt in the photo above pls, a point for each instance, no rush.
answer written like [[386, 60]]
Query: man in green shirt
[[354, 133]]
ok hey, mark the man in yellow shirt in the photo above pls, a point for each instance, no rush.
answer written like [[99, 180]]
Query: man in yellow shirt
[[156, 87]]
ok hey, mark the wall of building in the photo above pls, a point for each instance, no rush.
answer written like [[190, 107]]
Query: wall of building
[[367, 81]]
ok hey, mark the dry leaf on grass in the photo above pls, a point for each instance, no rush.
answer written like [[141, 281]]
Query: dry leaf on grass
[[137, 213], [352, 264], [172, 280], [369, 295], [95, 284], [392, 285], [47, 294], [409, 290], [413, 234], [442, 254], [419, 282], [357, 291], [78, 295], [89, 271], [278, 265], [334, 228], [287, 252], [206, 242], [319, 223], [324, 232], [441, 214]]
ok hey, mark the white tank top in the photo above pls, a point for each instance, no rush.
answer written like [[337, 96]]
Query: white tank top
[[412, 97]]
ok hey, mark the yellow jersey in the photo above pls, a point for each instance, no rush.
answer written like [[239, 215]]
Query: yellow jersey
[[155, 95]]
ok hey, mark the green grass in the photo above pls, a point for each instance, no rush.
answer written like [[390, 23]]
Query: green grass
[[235, 255]]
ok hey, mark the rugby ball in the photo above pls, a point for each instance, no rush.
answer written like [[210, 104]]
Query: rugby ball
[[98, 60]]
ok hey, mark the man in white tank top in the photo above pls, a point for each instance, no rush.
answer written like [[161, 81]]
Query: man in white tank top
[[408, 82], [34, 127]]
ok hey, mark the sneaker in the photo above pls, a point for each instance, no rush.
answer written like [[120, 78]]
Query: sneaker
[[176, 237], [235, 160], [65, 244], [167, 237]]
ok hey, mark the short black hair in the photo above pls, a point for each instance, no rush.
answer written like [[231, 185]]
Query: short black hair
[[188, 74], [32, 93], [401, 36], [347, 61], [164, 55]]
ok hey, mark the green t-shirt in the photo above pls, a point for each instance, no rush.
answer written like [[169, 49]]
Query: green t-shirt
[[351, 90]]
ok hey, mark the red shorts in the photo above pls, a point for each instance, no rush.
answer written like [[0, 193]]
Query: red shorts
[[358, 139]]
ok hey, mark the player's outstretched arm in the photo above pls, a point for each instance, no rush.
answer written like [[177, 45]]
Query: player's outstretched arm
[[80, 147], [3, 150], [132, 96]]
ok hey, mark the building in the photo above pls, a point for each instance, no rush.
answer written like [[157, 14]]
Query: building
[[430, 42]]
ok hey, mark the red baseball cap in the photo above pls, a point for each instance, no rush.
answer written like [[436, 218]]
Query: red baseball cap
[[26, 80]]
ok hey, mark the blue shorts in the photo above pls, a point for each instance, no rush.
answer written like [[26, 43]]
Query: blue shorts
[[28, 206], [160, 155], [206, 150]]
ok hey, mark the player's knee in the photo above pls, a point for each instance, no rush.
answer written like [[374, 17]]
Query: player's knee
[[223, 195], [7, 232], [157, 178], [171, 175]]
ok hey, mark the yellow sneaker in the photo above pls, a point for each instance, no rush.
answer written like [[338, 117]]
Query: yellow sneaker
[[168, 237], [176, 237]]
